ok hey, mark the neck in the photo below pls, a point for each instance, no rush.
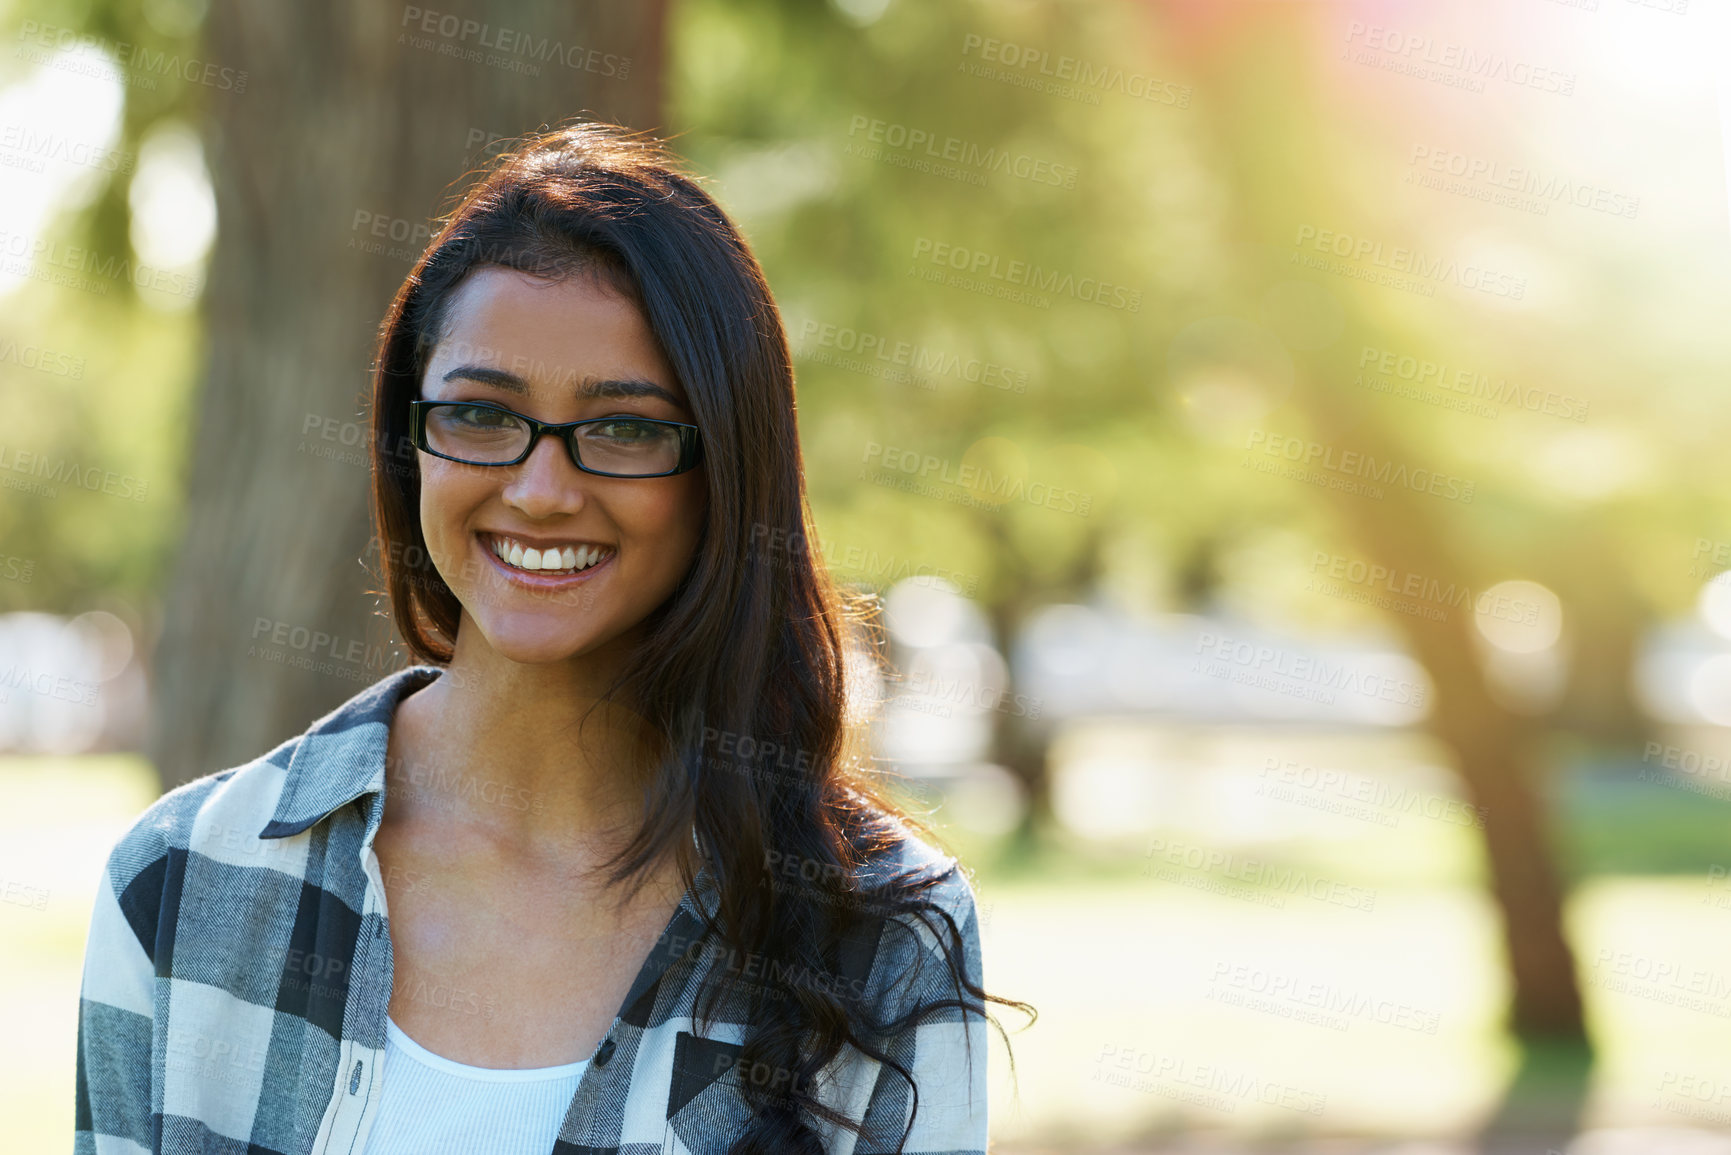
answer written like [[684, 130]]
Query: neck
[[527, 755]]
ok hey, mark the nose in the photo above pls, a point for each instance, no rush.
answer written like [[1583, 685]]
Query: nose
[[546, 483]]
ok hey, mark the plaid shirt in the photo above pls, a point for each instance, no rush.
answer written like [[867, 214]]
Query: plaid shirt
[[238, 973]]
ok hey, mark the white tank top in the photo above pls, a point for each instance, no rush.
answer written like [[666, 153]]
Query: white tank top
[[430, 1105]]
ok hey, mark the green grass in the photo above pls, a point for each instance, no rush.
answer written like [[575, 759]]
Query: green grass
[[58, 818], [1611, 823]]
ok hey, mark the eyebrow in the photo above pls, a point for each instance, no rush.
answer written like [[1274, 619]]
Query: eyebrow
[[612, 387]]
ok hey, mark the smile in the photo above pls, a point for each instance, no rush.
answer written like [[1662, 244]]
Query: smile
[[546, 559]]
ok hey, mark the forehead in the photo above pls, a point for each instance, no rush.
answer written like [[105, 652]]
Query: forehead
[[550, 332]]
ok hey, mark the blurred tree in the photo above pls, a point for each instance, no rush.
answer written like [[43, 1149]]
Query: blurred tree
[[1275, 131], [355, 124]]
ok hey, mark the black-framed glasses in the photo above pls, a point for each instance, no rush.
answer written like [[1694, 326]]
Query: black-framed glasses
[[481, 433]]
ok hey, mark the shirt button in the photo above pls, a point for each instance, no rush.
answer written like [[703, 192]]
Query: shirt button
[[604, 1052]]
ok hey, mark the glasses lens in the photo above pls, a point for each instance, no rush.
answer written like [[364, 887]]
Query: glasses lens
[[628, 447], [475, 433]]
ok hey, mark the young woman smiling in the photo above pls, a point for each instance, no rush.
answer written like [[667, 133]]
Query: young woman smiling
[[640, 895]]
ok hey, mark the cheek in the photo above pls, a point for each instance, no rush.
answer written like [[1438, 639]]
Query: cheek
[[446, 498], [689, 507], [669, 522]]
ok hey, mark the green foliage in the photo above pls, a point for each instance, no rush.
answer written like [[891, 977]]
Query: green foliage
[[89, 515], [793, 109], [97, 522]]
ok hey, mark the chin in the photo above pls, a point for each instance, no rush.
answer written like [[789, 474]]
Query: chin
[[534, 643]]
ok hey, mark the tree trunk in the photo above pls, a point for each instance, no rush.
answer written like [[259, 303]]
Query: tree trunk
[[1499, 752], [1022, 743], [1253, 88], [356, 124]]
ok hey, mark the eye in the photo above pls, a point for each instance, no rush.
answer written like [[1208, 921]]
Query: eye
[[477, 417], [625, 431]]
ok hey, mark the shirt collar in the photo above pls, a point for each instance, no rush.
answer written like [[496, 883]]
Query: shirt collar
[[342, 755]]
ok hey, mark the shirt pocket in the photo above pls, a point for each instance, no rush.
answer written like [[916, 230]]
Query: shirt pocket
[[706, 1107]]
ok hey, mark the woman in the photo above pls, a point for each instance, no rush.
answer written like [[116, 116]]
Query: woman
[[630, 891]]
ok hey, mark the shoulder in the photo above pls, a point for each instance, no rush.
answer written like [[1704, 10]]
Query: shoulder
[[904, 855], [219, 815], [930, 944], [245, 815]]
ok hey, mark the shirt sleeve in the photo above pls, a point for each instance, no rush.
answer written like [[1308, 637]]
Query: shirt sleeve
[[116, 1013], [944, 1050]]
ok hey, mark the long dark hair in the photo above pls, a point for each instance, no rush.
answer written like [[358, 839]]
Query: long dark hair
[[753, 647]]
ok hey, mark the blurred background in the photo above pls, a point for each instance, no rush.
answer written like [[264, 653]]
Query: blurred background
[[1288, 439]]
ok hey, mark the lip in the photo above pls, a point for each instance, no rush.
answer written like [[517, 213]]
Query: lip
[[529, 540], [538, 581]]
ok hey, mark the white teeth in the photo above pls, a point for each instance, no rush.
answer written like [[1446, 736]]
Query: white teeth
[[553, 558]]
